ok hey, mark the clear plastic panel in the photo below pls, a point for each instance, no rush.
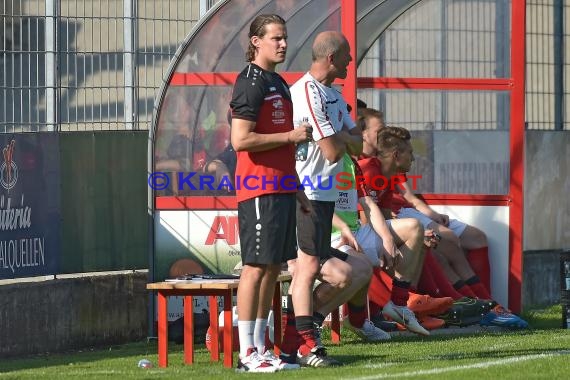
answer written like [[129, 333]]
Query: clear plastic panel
[[460, 139], [436, 38], [220, 45], [193, 127]]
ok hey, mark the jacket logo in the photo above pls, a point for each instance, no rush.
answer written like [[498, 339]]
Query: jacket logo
[[8, 168]]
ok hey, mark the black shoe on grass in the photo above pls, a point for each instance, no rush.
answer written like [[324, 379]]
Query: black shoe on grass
[[317, 358]]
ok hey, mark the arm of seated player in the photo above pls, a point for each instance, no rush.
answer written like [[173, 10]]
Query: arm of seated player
[[389, 253], [346, 235], [386, 213], [220, 170], [244, 137]]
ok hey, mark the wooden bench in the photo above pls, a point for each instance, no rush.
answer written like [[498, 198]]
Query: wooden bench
[[210, 289]]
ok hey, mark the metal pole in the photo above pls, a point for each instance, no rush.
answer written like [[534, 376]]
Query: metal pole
[[444, 51], [516, 193], [51, 64], [129, 62], [558, 31], [348, 27], [502, 61]]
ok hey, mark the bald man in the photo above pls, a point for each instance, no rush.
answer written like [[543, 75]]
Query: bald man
[[334, 134]]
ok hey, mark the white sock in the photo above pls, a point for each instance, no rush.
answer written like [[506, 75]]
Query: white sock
[[259, 334], [245, 330]]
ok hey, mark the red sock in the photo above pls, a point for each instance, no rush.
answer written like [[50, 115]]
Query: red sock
[[440, 279], [479, 261], [427, 285], [356, 315], [306, 341], [387, 280], [289, 344], [400, 292], [378, 292], [478, 288], [465, 290], [480, 291], [374, 308]]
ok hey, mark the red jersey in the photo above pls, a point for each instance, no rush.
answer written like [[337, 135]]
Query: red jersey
[[398, 202], [263, 96], [362, 187], [379, 187]]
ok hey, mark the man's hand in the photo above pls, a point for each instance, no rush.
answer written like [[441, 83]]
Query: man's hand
[[347, 238], [222, 172], [353, 141], [302, 133], [431, 238], [304, 202]]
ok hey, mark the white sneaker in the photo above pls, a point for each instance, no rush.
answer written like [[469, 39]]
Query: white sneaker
[[255, 363], [277, 362], [405, 317], [368, 331]]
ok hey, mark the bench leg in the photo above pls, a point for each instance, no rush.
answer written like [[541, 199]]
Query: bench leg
[[277, 318], [162, 330], [228, 330], [215, 351], [335, 326], [188, 330]]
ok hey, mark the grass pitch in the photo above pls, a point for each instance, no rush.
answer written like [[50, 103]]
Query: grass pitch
[[542, 352]]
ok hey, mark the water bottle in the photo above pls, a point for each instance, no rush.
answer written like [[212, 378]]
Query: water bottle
[[145, 363], [302, 148]]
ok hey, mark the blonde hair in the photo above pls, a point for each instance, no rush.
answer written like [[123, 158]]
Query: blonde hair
[[392, 139]]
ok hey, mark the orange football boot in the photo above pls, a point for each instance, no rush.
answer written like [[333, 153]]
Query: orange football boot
[[423, 305], [431, 323]]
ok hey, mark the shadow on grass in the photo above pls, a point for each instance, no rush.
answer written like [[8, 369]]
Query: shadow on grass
[[136, 350], [546, 318], [358, 359], [131, 353]]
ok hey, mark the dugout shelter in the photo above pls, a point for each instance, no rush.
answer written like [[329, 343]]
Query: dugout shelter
[[452, 72]]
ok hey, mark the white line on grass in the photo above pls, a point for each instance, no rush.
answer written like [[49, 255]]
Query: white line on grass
[[462, 367]]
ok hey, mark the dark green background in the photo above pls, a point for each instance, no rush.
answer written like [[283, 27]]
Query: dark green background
[[104, 201]]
